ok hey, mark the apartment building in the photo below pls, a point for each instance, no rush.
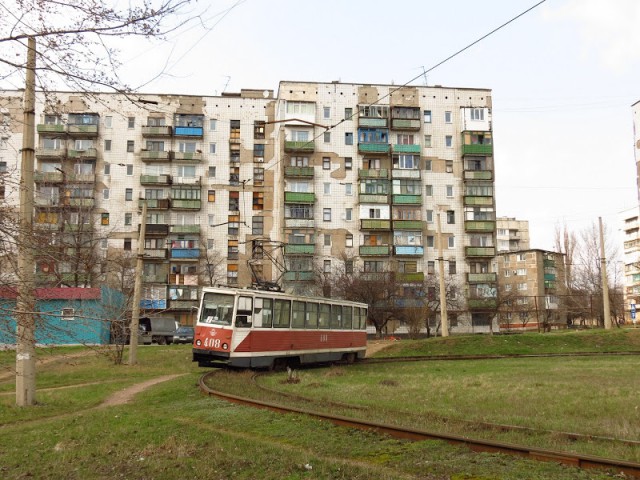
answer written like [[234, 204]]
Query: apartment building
[[512, 234], [532, 288], [256, 187], [631, 257]]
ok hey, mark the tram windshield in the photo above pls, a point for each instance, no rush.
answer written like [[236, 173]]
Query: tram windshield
[[217, 308]]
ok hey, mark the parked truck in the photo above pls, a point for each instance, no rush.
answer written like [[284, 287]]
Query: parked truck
[[158, 330]]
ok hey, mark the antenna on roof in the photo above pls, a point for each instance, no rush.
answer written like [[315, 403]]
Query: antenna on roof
[[226, 84]]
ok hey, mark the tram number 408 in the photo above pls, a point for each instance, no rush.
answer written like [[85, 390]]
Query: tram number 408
[[324, 337], [212, 342]]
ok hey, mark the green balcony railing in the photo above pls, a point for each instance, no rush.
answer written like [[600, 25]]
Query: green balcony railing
[[81, 202], [407, 199], [482, 303], [298, 276], [155, 179], [371, 224], [298, 171], [407, 225], [50, 152], [152, 155], [480, 251], [51, 129], [415, 277], [186, 204], [187, 157], [479, 201], [184, 229], [82, 130], [372, 122], [308, 146], [375, 250], [371, 173], [373, 147], [481, 277], [478, 174], [299, 197], [477, 149], [479, 226], [47, 177], [299, 249], [154, 203], [398, 148], [86, 153], [405, 124]]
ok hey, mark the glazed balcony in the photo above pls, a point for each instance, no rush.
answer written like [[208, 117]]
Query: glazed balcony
[[478, 175], [83, 130], [373, 198], [406, 124], [549, 277], [154, 156], [180, 204], [481, 277], [408, 250], [374, 250], [373, 122], [308, 146], [88, 153], [56, 153], [299, 223], [306, 172], [407, 199], [156, 229], [407, 224], [482, 303], [379, 148], [81, 177], [480, 251], [474, 200], [299, 197], [405, 173], [299, 249], [156, 131], [48, 177], [184, 253], [187, 157], [302, 276], [188, 132], [180, 229], [154, 203], [56, 129], [375, 224], [480, 226], [414, 277], [401, 148], [373, 173], [156, 253], [155, 179], [79, 202], [182, 304]]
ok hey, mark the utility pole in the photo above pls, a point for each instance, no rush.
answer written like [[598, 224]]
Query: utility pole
[[443, 292], [137, 287], [25, 304], [605, 283]]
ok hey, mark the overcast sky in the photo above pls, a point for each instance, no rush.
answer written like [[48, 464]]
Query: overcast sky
[[563, 77]]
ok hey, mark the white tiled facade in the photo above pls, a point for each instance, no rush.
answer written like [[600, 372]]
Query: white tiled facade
[[328, 170], [512, 234]]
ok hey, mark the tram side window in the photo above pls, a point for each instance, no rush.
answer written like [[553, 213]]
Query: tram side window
[[336, 316], [325, 315], [244, 312], [361, 318], [282, 314], [347, 318], [312, 315], [297, 320], [263, 313]]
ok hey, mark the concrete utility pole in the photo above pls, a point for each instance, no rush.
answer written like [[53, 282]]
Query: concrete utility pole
[[25, 304], [605, 283], [137, 287], [443, 292]]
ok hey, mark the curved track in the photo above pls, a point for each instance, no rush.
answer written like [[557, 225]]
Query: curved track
[[631, 469]]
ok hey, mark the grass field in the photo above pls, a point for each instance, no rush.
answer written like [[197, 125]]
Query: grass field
[[172, 431]]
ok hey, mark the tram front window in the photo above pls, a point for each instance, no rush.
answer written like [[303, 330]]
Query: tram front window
[[217, 309]]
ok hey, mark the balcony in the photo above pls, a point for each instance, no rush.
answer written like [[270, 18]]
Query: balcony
[[154, 203], [56, 153], [196, 180], [373, 148], [373, 198], [47, 177], [371, 224], [182, 304], [187, 157], [298, 172], [51, 129], [371, 173], [154, 156], [372, 122], [477, 149], [479, 225], [482, 277], [405, 173], [79, 202], [408, 250], [83, 130], [304, 276], [299, 249], [405, 124], [155, 253], [156, 131], [299, 223], [480, 251], [185, 253], [302, 147], [180, 204], [401, 148], [156, 229], [549, 277], [180, 229], [188, 132], [414, 277], [81, 177], [474, 200], [407, 199], [160, 278], [374, 250], [153, 303], [88, 153], [478, 175], [407, 225], [481, 303], [299, 197], [75, 278], [155, 179]]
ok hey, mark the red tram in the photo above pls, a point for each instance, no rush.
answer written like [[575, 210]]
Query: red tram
[[261, 329]]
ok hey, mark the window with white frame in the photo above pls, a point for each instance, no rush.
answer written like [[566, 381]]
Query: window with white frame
[[326, 214], [348, 240], [427, 141], [348, 214], [327, 239], [348, 189], [477, 114], [451, 242], [213, 123], [68, 314], [448, 141], [212, 148], [327, 188], [449, 190], [427, 116], [447, 117]]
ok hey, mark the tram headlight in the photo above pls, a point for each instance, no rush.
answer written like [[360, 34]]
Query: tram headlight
[[198, 342], [225, 346]]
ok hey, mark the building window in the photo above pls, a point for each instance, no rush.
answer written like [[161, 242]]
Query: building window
[[107, 145], [449, 166], [212, 148], [427, 164], [258, 129], [348, 113], [327, 188], [131, 122], [477, 114], [327, 266], [258, 152], [258, 176], [430, 241], [68, 314], [130, 145], [211, 196], [234, 201], [212, 124], [449, 190], [127, 244], [431, 267], [104, 219], [452, 267], [326, 163], [327, 240], [348, 163], [105, 194], [427, 116], [428, 190], [326, 214], [258, 200], [129, 170], [429, 216], [107, 168], [448, 141], [447, 117], [348, 189], [348, 214], [128, 218], [233, 222], [451, 242], [348, 266], [326, 112], [348, 138], [128, 194], [212, 171], [427, 141], [348, 240], [108, 121], [257, 225], [451, 217]]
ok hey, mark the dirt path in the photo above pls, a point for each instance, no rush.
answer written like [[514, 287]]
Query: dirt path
[[126, 395], [374, 346]]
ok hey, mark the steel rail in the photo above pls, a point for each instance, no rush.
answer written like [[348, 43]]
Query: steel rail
[[630, 469]]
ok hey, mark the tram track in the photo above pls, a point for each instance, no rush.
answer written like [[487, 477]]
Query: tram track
[[628, 468]]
